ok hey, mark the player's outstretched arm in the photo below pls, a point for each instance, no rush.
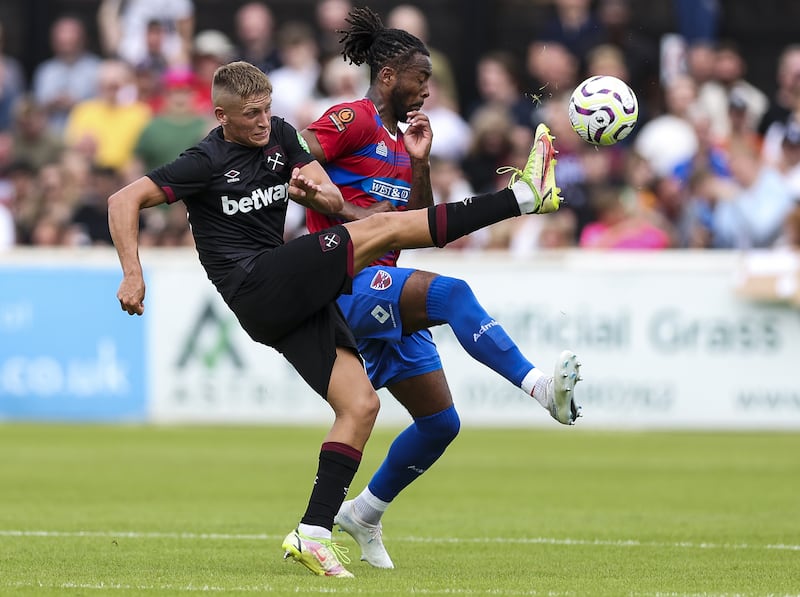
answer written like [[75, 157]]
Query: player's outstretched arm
[[349, 211], [312, 187], [123, 223]]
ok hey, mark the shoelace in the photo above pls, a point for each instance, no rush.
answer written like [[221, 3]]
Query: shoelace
[[515, 173], [337, 549], [375, 532]]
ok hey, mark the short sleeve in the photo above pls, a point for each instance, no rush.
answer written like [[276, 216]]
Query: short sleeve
[[185, 176]]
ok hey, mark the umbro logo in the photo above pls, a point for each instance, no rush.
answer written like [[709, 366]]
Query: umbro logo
[[232, 175], [329, 241]]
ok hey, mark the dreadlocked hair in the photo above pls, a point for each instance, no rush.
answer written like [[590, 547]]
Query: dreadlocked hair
[[368, 41]]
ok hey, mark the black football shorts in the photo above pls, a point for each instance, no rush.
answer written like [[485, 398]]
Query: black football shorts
[[288, 301]]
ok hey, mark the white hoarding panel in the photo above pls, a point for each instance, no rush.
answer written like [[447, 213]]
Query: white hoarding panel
[[663, 338]]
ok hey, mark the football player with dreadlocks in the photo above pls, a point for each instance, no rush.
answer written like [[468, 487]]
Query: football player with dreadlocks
[[376, 150]]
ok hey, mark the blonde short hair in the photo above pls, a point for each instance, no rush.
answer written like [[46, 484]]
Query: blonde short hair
[[240, 79]]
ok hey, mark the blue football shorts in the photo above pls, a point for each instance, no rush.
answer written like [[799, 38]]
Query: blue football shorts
[[373, 313]]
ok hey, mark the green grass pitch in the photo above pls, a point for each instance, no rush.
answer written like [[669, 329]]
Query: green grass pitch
[[119, 511]]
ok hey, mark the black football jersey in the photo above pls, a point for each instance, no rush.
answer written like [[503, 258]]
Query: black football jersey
[[236, 198]]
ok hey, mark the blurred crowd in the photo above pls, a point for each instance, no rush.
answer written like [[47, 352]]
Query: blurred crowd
[[714, 161]]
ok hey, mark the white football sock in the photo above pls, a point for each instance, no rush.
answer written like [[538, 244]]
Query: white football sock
[[310, 530], [540, 390], [368, 508], [526, 198], [529, 381]]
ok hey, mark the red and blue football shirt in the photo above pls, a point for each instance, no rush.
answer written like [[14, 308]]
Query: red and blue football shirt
[[365, 160]]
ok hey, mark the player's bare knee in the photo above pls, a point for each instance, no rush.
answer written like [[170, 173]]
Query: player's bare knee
[[365, 407], [373, 406], [388, 227]]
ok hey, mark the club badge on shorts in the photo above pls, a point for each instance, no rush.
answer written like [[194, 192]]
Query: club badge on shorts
[[328, 241], [381, 280]]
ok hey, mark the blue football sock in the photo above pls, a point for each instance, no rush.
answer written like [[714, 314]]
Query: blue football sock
[[452, 301], [413, 451]]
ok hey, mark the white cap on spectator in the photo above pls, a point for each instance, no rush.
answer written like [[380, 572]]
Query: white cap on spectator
[[212, 42]]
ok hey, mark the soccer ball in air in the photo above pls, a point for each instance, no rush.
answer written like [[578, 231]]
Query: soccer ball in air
[[603, 110]]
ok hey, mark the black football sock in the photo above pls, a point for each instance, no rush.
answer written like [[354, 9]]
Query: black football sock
[[338, 464], [449, 221]]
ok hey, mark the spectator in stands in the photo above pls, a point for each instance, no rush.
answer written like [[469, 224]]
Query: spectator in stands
[[640, 51], [783, 103], [553, 70], [449, 184], [149, 89], [44, 204], [574, 25], [669, 139], [701, 57], [339, 81], [729, 77], [499, 82], [743, 128], [51, 230], [790, 234], [33, 142], [8, 226], [173, 229], [212, 48], [750, 213], [491, 147], [342, 81], [89, 220], [555, 232], [330, 17], [178, 125], [620, 226], [19, 185], [105, 129], [682, 209], [412, 19], [710, 154], [698, 20], [12, 85], [607, 59], [123, 26], [787, 94], [790, 165], [294, 83], [69, 76], [453, 134], [254, 34], [155, 57]]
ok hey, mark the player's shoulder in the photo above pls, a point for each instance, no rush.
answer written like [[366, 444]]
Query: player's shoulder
[[214, 155], [345, 114], [358, 107]]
